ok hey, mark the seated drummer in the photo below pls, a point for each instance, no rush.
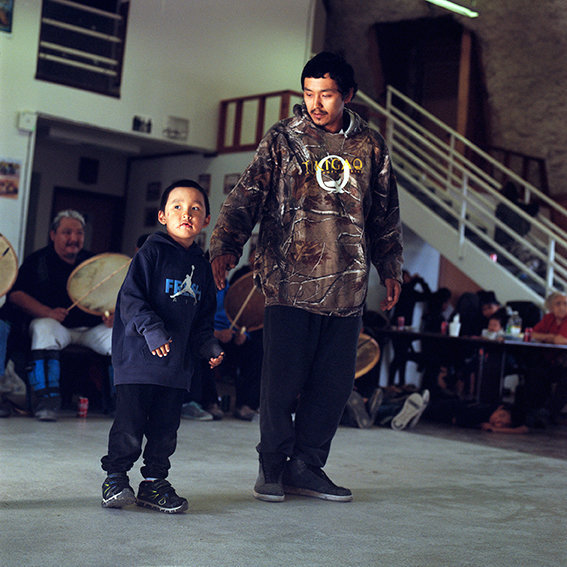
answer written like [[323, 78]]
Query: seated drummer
[[39, 298]]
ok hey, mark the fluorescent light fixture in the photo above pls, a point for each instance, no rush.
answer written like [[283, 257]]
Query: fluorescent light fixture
[[453, 7]]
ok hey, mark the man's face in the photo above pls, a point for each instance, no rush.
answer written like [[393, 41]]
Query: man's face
[[324, 102], [68, 239]]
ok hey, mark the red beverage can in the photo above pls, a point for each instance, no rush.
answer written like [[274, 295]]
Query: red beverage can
[[528, 334], [401, 322], [444, 327], [83, 407]]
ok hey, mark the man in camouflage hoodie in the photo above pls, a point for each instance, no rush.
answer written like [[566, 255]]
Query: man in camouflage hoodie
[[322, 189]]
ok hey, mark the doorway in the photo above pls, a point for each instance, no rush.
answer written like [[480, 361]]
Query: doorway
[[427, 61], [103, 213]]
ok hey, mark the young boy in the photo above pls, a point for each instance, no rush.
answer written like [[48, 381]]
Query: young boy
[[164, 319]]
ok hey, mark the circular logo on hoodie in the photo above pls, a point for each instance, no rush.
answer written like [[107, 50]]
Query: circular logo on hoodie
[[336, 165]]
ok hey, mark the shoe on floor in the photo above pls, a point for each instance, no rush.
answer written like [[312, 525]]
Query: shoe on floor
[[308, 480], [374, 403], [269, 486], [47, 408], [161, 496], [425, 397], [411, 408], [245, 413], [116, 491], [356, 409], [193, 410], [215, 411]]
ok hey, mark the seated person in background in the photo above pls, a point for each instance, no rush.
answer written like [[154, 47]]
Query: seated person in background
[[249, 361], [498, 418], [403, 350], [496, 328], [489, 305], [546, 376], [39, 297]]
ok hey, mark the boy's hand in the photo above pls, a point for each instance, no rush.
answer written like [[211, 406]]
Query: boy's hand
[[213, 362], [163, 350]]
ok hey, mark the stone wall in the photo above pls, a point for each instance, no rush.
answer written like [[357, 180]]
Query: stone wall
[[523, 46]]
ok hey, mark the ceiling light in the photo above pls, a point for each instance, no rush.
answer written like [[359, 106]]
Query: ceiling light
[[453, 7]]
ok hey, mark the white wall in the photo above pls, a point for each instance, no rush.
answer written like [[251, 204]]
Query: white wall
[[182, 57], [167, 170], [58, 165]]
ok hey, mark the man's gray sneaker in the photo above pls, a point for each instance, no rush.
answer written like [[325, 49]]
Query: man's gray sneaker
[[309, 480], [269, 485]]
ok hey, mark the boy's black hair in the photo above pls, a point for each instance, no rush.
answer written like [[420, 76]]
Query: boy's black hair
[[184, 183], [339, 70]]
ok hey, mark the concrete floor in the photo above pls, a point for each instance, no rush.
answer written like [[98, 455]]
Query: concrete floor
[[427, 497]]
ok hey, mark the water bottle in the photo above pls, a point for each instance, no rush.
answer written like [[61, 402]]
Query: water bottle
[[514, 325]]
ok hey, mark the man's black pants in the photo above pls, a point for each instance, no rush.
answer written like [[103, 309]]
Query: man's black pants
[[309, 364]]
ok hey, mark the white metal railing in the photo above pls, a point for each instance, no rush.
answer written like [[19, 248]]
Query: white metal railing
[[456, 179]]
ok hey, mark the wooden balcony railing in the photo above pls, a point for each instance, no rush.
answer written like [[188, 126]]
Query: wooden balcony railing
[[244, 120]]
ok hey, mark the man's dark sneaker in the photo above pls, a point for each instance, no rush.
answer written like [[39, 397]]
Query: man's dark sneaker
[[160, 495], [356, 409], [116, 491], [308, 480], [269, 485], [47, 408]]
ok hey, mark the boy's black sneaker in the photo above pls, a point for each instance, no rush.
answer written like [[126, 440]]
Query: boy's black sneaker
[[269, 485], [308, 480], [117, 492], [160, 495]]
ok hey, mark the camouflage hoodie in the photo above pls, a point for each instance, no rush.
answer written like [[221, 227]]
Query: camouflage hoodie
[[327, 205]]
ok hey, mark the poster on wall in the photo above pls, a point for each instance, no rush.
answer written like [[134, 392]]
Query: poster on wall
[[9, 178], [6, 11]]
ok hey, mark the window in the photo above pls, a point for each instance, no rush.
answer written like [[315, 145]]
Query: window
[[82, 44]]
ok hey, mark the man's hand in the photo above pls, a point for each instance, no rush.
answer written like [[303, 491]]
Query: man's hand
[[393, 289], [220, 265], [59, 314], [223, 335], [108, 319]]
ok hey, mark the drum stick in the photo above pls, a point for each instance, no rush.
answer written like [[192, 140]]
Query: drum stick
[[75, 303], [242, 308]]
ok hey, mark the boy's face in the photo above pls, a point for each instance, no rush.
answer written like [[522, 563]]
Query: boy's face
[[494, 325], [185, 215], [324, 102], [500, 418]]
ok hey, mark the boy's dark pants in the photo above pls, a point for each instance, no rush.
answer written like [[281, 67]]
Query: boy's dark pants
[[309, 360], [144, 409]]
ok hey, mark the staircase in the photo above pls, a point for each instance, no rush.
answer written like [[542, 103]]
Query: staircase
[[449, 198]]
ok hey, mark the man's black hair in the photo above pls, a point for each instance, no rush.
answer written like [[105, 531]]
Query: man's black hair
[[339, 70], [184, 183]]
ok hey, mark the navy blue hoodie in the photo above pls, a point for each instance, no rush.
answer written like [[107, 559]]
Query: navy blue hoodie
[[168, 293]]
